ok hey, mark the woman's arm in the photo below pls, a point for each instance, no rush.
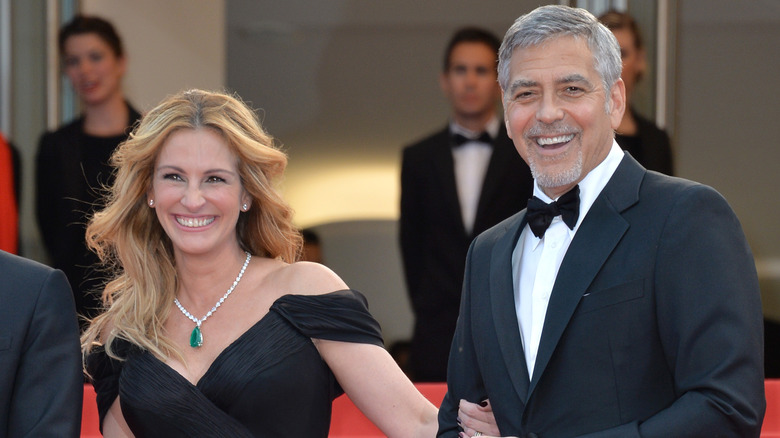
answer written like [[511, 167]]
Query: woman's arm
[[378, 387], [114, 425]]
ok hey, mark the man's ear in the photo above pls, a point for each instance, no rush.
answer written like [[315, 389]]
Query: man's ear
[[617, 102], [506, 117]]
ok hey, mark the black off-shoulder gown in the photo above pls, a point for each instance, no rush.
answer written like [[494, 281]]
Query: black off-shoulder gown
[[270, 382]]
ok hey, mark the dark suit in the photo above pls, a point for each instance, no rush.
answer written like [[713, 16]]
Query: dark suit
[[653, 329], [41, 383], [434, 241]]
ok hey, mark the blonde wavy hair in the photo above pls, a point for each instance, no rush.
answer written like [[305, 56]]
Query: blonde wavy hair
[[130, 241]]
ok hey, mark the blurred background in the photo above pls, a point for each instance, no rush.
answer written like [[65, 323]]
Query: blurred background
[[345, 84]]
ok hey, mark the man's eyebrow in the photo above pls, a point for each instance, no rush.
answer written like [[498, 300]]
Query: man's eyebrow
[[570, 79], [574, 78], [521, 83]]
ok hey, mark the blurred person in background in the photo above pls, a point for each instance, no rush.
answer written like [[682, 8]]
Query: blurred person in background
[[72, 162], [645, 141], [453, 187]]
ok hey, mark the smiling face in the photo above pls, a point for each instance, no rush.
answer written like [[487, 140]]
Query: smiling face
[[94, 70], [197, 191], [557, 112]]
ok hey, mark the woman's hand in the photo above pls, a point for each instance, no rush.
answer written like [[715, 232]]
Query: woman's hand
[[477, 419]]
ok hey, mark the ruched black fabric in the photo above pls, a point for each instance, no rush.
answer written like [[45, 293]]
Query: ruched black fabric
[[270, 382]]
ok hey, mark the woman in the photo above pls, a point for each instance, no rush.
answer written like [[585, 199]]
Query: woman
[[639, 136], [72, 162], [210, 328]]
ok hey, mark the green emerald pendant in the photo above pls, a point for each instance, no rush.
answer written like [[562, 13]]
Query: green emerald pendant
[[196, 338]]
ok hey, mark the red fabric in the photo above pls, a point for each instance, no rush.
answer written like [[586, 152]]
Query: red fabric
[[347, 421], [90, 419], [9, 217], [771, 427]]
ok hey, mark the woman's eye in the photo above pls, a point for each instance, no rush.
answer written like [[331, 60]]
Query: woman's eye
[[172, 177], [214, 179]]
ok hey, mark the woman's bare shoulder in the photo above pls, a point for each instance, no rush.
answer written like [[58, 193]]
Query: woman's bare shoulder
[[306, 278]]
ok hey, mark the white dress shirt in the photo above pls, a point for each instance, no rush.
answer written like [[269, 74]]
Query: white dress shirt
[[535, 262], [471, 160]]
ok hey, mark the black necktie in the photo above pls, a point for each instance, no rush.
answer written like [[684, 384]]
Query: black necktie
[[459, 139], [540, 214]]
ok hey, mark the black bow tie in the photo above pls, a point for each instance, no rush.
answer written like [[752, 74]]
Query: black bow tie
[[459, 139], [540, 214]]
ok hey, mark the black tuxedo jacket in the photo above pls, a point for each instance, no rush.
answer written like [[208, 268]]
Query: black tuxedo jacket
[[41, 383], [653, 329], [434, 241]]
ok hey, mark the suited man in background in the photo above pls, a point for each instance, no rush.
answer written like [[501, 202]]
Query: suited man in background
[[453, 186], [41, 387], [627, 307]]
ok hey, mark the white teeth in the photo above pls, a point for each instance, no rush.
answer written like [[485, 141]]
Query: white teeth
[[544, 141], [192, 222]]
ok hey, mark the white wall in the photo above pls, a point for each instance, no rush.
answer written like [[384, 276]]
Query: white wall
[[344, 85], [727, 117], [171, 45]]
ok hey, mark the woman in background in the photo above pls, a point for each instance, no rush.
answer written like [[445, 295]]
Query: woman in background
[[72, 162], [647, 143]]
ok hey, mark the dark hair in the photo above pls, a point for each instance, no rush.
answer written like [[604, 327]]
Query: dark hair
[[83, 24], [470, 35], [310, 236], [615, 20]]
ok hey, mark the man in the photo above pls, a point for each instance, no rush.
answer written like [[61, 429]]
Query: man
[[40, 360], [453, 186], [637, 312]]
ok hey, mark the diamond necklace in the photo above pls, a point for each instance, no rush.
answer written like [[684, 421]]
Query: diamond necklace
[[196, 338]]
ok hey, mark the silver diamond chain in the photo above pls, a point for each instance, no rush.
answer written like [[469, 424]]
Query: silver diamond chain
[[221, 300]]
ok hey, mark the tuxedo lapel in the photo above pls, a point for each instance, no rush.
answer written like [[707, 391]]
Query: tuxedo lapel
[[500, 159], [596, 238], [502, 301], [444, 172]]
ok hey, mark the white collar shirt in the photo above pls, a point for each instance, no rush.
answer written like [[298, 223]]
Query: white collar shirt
[[535, 261], [471, 160]]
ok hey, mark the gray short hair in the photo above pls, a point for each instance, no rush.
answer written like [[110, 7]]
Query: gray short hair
[[549, 22]]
